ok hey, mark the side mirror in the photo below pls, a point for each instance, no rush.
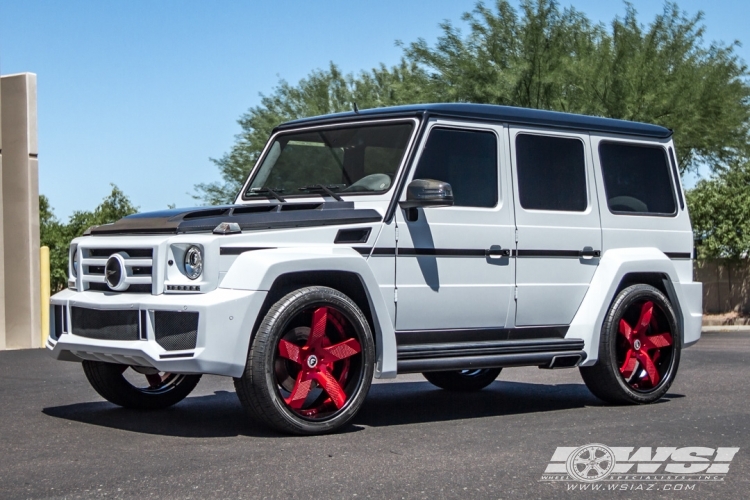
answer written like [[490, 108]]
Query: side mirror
[[427, 193]]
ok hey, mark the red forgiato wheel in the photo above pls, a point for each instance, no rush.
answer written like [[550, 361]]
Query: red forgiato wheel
[[313, 365], [644, 349], [310, 363], [139, 388], [639, 348]]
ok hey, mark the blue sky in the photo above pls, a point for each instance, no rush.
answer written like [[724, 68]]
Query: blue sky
[[142, 94]]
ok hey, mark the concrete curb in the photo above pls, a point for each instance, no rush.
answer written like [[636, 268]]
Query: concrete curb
[[726, 328]]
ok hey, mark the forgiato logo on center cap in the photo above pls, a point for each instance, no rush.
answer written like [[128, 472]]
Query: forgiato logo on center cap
[[592, 462]]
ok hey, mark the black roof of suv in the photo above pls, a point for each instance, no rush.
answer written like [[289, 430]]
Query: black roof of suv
[[495, 113]]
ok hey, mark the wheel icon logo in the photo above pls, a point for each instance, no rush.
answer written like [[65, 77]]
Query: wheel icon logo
[[592, 462]]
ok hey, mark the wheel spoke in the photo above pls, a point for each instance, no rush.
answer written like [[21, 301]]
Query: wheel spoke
[[290, 351], [648, 365], [318, 328], [301, 389], [629, 365], [331, 386], [343, 350], [154, 380], [657, 341], [647, 312], [626, 331]]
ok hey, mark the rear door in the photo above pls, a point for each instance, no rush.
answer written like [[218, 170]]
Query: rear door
[[557, 218]]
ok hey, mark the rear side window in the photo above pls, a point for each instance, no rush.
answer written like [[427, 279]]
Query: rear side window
[[636, 179], [551, 173], [467, 160]]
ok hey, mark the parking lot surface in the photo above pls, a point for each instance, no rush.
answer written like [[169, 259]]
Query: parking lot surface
[[59, 439]]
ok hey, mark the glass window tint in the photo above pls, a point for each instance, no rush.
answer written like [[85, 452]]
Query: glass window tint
[[551, 173], [465, 159], [354, 159], [636, 178]]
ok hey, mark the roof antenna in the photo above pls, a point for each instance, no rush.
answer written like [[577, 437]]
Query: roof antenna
[[356, 109]]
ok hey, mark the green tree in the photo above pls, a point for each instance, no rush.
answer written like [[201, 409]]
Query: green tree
[[720, 213], [322, 92], [557, 59], [538, 56], [57, 235]]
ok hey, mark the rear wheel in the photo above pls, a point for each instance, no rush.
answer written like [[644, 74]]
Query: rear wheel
[[310, 364], [137, 387], [463, 380], [639, 348]]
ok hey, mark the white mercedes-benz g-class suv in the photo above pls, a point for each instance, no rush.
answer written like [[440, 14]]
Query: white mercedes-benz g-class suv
[[447, 239]]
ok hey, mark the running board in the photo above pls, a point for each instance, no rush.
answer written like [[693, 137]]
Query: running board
[[544, 353]]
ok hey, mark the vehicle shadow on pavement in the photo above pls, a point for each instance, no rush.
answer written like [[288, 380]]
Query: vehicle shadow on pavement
[[220, 414], [413, 402]]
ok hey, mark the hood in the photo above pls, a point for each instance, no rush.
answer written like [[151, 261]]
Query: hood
[[249, 218]]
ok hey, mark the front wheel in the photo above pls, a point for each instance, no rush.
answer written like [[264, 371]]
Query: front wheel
[[310, 364], [639, 348], [463, 380], [136, 387]]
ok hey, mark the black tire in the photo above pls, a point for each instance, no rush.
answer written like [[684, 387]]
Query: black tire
[[610, 379], [463, 380], [109, 381], [272, 384]]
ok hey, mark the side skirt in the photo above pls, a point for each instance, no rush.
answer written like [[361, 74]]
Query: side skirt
[[473, 354]]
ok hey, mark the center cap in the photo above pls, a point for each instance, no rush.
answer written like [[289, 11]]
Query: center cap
[[637, 344], [312, 361]]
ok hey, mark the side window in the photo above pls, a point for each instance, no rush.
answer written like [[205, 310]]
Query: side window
[[465, 159], [551, 173], [636, 179]]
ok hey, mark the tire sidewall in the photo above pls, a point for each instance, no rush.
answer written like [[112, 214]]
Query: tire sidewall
[[624, 301], [273, 331]]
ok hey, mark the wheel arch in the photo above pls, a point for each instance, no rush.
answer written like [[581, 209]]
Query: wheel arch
[[280, 271], [618, 269]]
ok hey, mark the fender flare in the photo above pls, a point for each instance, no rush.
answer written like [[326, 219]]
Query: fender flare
[[613, 266], [257, 270]]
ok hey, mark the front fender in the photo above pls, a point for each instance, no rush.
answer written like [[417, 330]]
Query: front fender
[[614, 265], [257, 270]]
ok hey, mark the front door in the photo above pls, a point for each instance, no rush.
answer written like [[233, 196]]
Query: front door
[[454, 265], [557, 216]]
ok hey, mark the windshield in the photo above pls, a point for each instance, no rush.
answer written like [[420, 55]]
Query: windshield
[[355, 159]]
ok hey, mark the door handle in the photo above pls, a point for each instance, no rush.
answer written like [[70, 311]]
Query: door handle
[[590, 253], [496, 252]]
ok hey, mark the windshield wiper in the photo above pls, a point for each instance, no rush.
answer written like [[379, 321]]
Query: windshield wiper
[[324, 189], [273, 192]]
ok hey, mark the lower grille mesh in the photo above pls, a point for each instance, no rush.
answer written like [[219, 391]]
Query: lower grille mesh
[[104, 325], [176, 331]]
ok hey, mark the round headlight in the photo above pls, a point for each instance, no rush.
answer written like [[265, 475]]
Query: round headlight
[[193, 262]]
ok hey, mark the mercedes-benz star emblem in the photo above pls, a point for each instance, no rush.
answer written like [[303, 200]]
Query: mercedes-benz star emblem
[[115, 274]]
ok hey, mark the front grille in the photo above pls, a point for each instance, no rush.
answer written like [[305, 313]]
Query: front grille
[[104, 325], [138, 263], [176, 331]]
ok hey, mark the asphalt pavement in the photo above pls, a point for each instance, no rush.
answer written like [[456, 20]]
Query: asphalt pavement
[[59, 439]]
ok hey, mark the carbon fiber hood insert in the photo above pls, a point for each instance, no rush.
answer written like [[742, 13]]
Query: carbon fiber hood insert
[[249, 218]]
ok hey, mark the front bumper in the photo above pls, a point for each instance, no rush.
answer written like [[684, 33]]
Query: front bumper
[[226, 320]]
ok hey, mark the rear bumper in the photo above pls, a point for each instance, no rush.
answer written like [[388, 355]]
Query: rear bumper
[[226, 319], [692, 312]]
